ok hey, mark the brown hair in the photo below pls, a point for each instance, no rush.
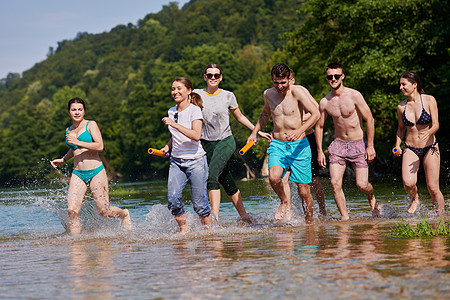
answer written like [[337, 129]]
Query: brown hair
[[334, 65], [76, 100], [413, 78], [281, 70], [194, 98], [215, 66]]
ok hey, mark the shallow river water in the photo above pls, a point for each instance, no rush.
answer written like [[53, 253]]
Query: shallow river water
[[330, 259]]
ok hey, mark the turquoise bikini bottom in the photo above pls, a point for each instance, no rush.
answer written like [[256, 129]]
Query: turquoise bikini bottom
[[87, 175]]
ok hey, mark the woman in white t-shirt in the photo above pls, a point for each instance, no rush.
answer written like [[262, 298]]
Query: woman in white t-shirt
[[188, 159]]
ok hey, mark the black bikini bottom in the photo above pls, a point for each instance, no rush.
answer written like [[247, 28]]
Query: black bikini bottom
[[421, 152]]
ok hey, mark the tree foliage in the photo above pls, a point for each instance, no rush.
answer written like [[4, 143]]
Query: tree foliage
[[125, 74]]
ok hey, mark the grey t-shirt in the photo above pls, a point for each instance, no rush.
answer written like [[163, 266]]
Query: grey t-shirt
[[216, 118]]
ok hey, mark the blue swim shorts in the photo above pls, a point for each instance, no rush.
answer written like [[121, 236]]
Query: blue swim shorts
[[295, 156]]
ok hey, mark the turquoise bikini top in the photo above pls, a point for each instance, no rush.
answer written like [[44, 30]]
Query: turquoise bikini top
[[85, 136]]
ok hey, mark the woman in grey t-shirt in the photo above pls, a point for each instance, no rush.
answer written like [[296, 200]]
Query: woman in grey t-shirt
[[218, 141]]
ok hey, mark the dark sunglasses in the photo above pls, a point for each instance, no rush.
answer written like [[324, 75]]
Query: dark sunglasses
[[210, 76], [175, 117], [336, 76]]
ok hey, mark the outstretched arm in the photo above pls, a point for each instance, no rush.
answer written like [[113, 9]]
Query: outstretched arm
[[244, 121], [59, 161], [263, 119]]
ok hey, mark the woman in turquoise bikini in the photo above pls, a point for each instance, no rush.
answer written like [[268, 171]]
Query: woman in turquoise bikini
[[85, 142]]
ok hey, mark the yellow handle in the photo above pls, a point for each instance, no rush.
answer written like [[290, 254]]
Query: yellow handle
[[396, 151], [157, 152], [246, 147]]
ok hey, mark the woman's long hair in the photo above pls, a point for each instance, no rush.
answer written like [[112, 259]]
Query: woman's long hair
[[413, 78]]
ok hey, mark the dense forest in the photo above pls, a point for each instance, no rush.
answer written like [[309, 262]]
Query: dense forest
[[125, 74]]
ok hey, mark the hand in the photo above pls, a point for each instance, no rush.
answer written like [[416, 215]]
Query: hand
[[252, 137], [425, 135], [397, 151], [370, 154], [168, 121], [165, 149], [321, 159], [56, 162], [266, 135], [293, 135], [72, 139]]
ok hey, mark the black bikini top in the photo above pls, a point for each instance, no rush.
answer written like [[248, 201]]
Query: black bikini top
[[424, 118]]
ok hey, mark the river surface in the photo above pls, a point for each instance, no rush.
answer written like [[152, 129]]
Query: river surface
[[330, 259]]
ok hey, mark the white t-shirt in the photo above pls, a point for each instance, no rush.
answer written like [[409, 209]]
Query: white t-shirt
[[216, 122], [182, 146]]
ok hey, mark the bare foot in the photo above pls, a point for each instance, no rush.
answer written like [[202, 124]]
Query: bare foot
[[247, 219], [126, 221], [289, 214], [413, 206], [281, 211], [376, 212], [346, 218], [309, 219]]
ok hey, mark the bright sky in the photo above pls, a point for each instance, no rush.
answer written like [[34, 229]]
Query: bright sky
[[30, 27]]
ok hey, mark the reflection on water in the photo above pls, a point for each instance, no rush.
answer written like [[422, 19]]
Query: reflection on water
[[91, 269], [327, 260]]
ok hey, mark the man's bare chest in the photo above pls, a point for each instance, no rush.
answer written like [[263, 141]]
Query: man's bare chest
[[343, 109], [287, 107]]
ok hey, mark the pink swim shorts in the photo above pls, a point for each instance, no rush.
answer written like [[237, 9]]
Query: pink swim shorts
[[352, 152]]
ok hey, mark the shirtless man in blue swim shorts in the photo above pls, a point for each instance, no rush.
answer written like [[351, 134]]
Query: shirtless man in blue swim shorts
[[289, 149], [347, 107]]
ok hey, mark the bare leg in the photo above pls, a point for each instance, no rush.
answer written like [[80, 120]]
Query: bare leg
[[181, 220], [206, 222], [304, 190], [287, 192], [275, 173], [100, 192], [319, 194], [236, 199], [432, 164], [336, 175], [214, 199], [75, 195], [362, 182], [410, 167]]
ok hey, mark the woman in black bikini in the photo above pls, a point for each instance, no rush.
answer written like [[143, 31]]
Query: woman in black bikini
[[418, 117]]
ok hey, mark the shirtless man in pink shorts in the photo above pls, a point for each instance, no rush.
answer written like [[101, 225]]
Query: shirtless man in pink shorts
[[347, 107]]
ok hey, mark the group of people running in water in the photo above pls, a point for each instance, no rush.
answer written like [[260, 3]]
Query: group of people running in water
[[202, 144]]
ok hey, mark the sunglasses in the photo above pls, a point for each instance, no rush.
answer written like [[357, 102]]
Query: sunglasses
[[336, 76], [175, 117], [216, 76]]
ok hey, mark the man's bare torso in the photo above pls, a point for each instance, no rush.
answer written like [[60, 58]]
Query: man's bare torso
[[287, 112], [343, 109]]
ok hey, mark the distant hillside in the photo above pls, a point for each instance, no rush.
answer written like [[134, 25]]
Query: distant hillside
[[125, 77]]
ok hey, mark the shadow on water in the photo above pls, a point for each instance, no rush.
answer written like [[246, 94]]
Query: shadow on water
[[328, 260]]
